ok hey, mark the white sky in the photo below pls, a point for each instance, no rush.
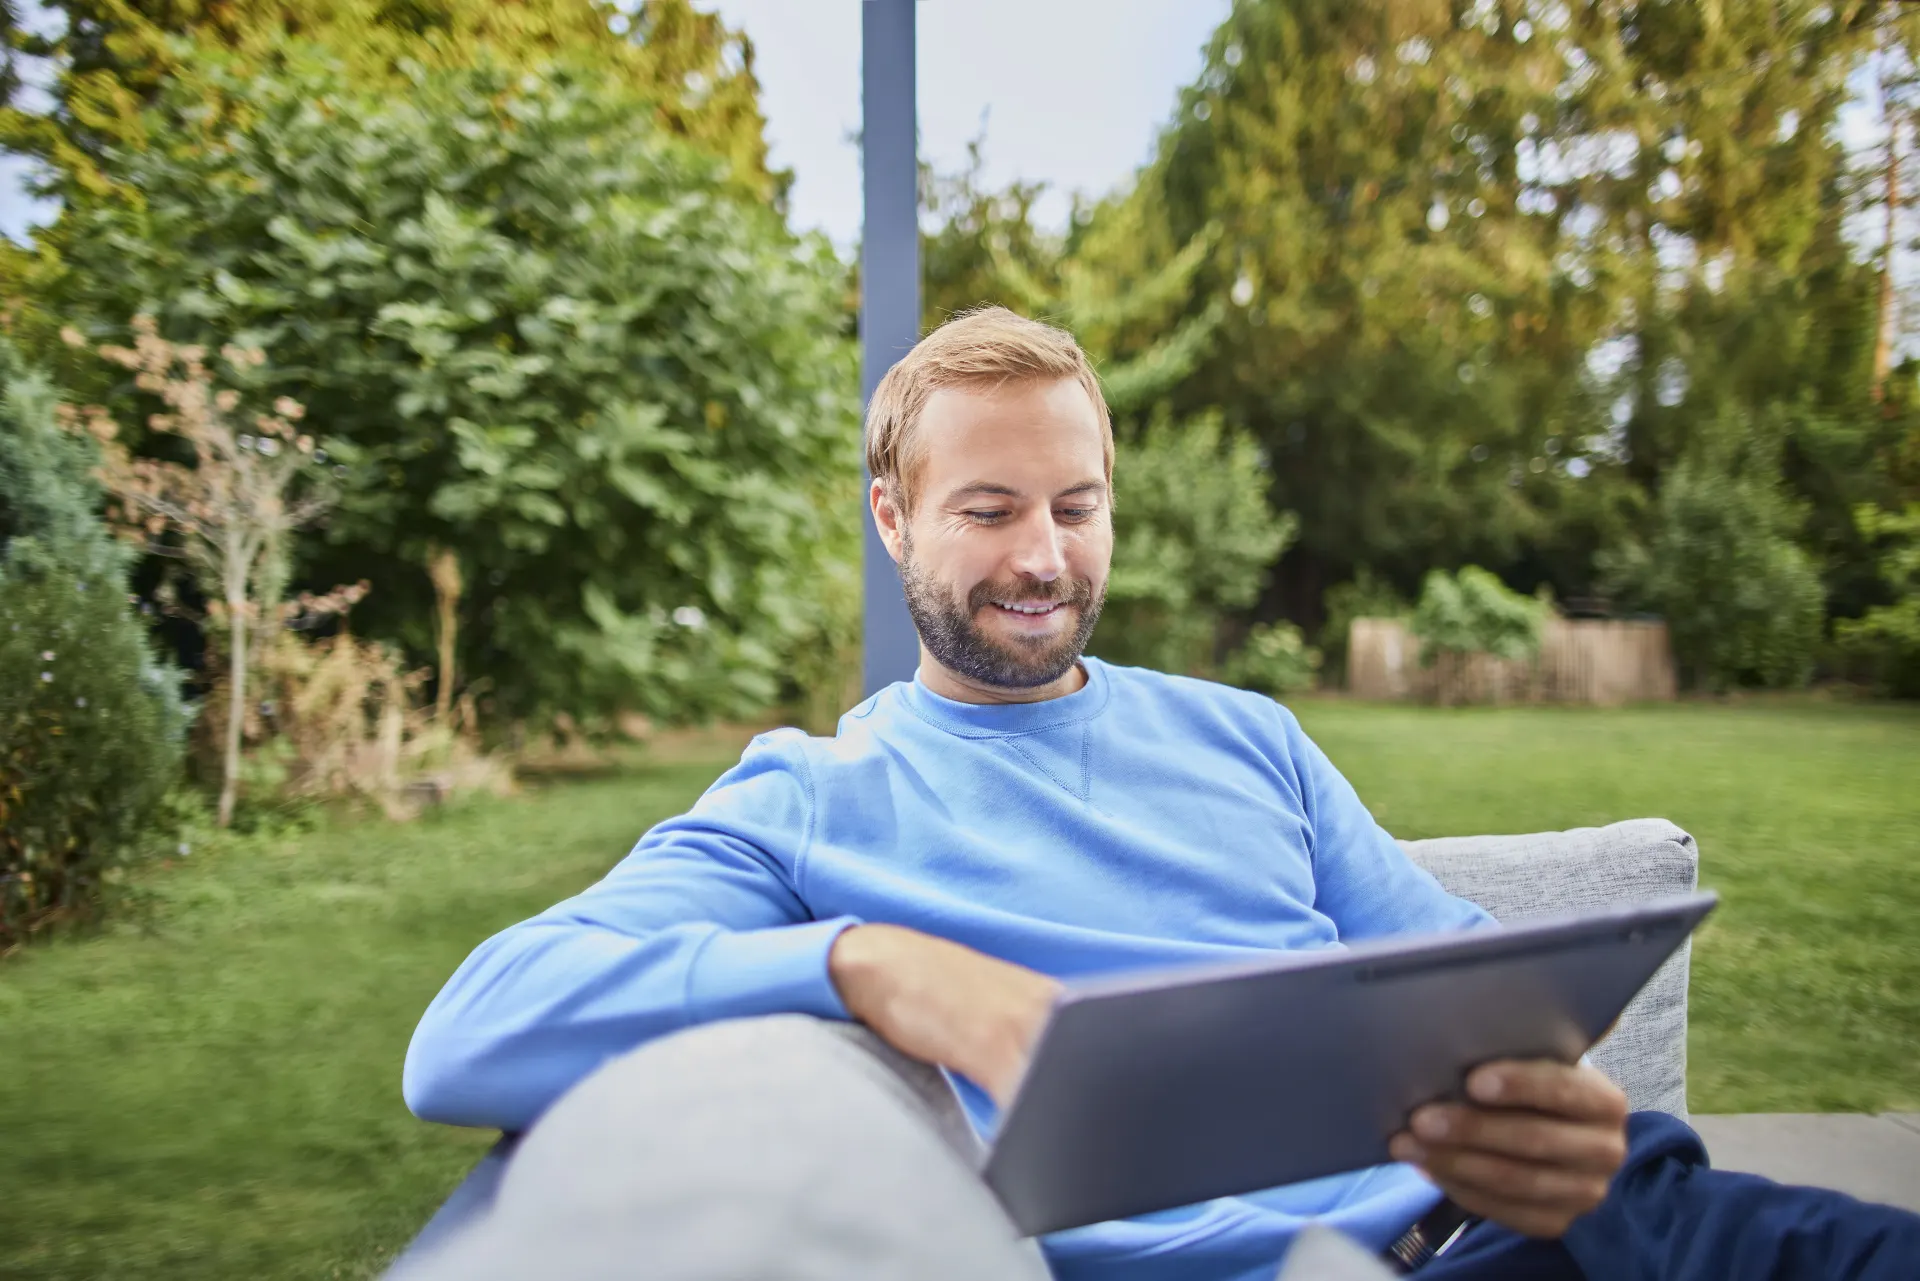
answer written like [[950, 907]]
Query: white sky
[[1072, 93]]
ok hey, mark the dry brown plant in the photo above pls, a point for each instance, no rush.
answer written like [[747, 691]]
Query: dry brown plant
[[249, 487]]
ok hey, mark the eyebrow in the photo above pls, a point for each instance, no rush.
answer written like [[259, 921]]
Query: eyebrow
[[982, 488]]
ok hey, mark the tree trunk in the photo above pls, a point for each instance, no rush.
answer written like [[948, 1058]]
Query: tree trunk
[[1883, 321], [444, 569], [236, 704]]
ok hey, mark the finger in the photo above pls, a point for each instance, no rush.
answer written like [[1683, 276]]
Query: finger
[[1500, 1178], [1574, 1091], [1594, 1146]]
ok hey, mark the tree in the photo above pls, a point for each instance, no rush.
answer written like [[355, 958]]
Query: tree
[[536, 331], [116, 56], [1742, 600], [234, 509]]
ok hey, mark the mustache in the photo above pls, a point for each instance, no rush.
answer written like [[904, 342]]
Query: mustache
[[1061, 591]]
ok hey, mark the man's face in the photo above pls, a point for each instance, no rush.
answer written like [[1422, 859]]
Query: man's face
[[1005, 556]]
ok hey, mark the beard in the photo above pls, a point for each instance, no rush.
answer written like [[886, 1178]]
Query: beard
[[950, 634]]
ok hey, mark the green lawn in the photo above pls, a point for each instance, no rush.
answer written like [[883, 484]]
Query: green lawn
[[217, 1095]]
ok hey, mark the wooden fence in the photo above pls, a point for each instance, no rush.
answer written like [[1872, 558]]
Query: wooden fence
[[1580, 661]]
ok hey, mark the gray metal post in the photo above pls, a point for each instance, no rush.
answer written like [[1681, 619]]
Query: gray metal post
[[889, 294]]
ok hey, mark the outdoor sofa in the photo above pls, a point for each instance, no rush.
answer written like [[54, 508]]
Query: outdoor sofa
[[1513, 877]]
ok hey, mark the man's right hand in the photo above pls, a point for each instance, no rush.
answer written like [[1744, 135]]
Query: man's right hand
[[943, 1003]]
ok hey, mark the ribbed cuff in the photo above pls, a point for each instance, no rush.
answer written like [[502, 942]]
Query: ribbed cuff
[[782, 970]]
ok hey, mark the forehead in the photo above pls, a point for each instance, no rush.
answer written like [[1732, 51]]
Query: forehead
[[1035, 430]]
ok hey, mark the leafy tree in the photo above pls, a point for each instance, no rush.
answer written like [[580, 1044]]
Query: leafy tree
[[117, 55], [1742, 600], [1886, 641], [1193, 539], [533, 329]]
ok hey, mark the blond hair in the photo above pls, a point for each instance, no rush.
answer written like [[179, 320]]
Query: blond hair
[[985, 347]]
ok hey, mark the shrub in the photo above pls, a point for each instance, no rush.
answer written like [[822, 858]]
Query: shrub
[[1275, 659], [1473, 612], [90, 742], [1886, 642], [532, 328], [1743, 602], [1193, 537]]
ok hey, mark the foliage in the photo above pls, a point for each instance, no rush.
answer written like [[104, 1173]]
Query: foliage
[[1742, 601], [50, 501], [233, 510], [1886, 641], [1473, 612], [536, 331], [1487, 266], [90, 741], [1274, 659], [1365, 596], [115, 57], [1192, 539]]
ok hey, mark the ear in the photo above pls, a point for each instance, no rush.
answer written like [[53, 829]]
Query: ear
[[886, 518]]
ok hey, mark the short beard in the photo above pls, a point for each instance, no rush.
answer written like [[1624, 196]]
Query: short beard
[[949, 633]]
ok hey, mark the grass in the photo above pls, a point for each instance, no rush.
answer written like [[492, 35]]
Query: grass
[[215, 1094]]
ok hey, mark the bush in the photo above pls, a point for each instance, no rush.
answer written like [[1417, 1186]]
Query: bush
[[1275, 660], [1193, 537], [532, 328], [1886, 642], [1473, 612], [90, 741], [1743, 602]]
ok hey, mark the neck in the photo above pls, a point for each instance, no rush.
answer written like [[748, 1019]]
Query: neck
[[948, 683]]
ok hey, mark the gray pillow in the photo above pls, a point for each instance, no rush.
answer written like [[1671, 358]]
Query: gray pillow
[[1515, 877]]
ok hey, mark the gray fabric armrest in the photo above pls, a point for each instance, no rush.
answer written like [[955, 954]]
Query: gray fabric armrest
[[1545, 873]]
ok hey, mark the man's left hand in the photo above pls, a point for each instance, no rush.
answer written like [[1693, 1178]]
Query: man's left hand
[[1533, 1151]]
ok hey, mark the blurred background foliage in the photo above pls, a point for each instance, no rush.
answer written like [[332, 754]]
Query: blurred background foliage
[[1596, 296]]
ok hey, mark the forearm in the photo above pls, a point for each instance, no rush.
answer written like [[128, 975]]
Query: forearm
[[943, 1003], [539, 1006]]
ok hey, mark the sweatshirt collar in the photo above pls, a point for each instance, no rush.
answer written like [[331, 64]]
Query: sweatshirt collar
[[976, 720]]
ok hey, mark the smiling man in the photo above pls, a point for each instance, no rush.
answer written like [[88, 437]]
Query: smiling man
[[1021, 814]]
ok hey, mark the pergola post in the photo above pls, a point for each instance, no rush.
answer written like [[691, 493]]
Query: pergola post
[[889, 295]]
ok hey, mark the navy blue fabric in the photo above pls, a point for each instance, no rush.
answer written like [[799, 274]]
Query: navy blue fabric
[[1669, 1217]]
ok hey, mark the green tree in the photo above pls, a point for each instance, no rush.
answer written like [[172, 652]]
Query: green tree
[[1193, 539], [1743, 602], [1473, 612], [1886, 640], [116, 56], [527, 326]]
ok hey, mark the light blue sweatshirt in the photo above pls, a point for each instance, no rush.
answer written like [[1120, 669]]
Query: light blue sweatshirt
[[1142, 821]]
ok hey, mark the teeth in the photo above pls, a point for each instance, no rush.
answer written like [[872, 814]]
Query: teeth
[[1046, 607]]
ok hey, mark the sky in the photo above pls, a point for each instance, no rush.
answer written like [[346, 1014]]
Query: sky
[[1071, 93], [1067, 92]]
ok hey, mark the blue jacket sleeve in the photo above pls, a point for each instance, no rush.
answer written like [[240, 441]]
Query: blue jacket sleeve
[[702, 921], [1363, 880]]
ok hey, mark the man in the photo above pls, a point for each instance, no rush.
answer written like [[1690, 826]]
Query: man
[[1020, 815]]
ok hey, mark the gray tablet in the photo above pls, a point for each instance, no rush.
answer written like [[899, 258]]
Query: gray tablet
[[1157, 1090]]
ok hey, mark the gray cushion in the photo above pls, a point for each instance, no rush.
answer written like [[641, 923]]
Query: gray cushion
[[1515, 877]]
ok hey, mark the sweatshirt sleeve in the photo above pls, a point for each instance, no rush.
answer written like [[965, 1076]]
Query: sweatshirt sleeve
[[1363, 880], [702, 921]]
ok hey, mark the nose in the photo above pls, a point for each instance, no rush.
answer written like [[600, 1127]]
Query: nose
[[1038, 554]]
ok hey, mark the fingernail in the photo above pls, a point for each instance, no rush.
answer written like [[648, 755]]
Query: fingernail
[[1487, 1088], [1431, 1124], [1404, 1148]]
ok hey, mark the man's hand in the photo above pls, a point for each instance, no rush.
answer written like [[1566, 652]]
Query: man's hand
[[1535, 1149], [943, 1003]]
